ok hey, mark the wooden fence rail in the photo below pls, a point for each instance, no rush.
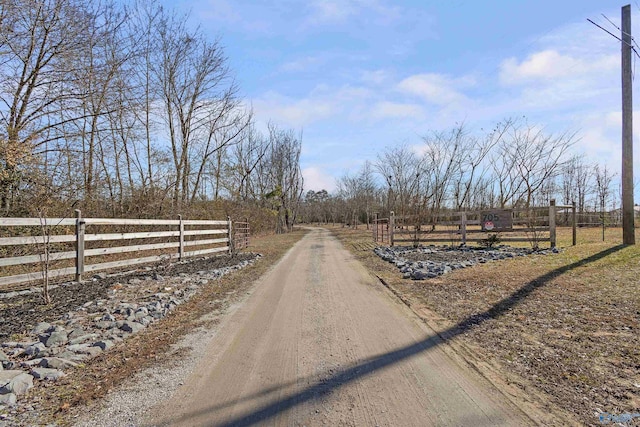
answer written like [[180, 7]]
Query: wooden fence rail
[[176, 239], [534, 225]]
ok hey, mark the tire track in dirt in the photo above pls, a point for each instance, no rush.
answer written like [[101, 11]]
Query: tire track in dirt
[[321, 342]]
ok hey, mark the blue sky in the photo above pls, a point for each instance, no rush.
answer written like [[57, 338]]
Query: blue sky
[[360, 75]]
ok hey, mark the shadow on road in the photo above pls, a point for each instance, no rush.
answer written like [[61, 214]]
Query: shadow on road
[[379, 362]]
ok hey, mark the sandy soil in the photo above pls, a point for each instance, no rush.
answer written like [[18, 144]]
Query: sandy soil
[[322, 342]]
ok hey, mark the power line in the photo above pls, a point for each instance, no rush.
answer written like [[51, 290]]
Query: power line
[[633, 40], [616, 37], [633, 72], [605, 30], [610, 21]]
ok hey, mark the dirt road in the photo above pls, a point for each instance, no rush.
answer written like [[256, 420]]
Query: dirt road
[[321, 342]]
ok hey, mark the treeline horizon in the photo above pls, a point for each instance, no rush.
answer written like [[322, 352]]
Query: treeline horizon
[[514, 165]]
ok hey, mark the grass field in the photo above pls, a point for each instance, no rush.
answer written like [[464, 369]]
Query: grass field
[[565, 327]]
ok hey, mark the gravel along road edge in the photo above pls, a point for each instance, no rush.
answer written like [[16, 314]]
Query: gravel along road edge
[[132, 378]]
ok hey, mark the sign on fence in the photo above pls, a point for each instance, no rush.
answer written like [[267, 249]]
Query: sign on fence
[[497, 220]]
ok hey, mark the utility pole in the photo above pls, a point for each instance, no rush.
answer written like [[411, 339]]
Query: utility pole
[[628, 232]]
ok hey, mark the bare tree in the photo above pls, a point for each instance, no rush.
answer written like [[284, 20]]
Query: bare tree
[[443, 158], [603, 179], [458, 161], [130, 108], [197, 91], [507, 178], [246, 158], [226, 125], [575, 177], [144, 17], [528, 159], [400, 169], [358, 193], [40, 43], [284, 176]]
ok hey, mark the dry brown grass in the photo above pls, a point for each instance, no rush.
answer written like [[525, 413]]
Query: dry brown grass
[[83, 385], [565, 327]]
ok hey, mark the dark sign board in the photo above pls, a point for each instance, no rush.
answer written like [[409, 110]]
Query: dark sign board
[[498, 220]]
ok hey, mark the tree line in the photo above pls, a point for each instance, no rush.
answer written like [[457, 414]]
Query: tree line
[[514, 165], [125, 109]]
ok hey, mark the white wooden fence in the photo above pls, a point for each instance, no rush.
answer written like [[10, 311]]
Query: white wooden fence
[[173, 240]]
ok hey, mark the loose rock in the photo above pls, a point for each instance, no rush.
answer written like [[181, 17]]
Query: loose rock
[[57, 363], [16, 382], [93, 326], [104, 344], [131, 327], [57, 338], [8, 399], [42, 328], [429, 262], [47, 374]]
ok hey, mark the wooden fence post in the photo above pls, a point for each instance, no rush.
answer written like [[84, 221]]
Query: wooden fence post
[[552, 222], [375, 227], [80, 229], [246, 236], [230, 234], [392, 221], [382, 227], [181, 245], [573, 222], [463, 227]]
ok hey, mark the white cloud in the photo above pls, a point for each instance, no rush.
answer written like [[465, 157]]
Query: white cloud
[[437, 89], [292, 112], [315, 61], [550, 65], [547, 64], [219, 10], [335, 12], [419, 149], [604, 131], [376, 77], [228, 14], [600, 139], [321, 103], [574, 69], [317, 179], [614, 119], [386, 109], [302, 64], [332, 10], [354, 94]]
